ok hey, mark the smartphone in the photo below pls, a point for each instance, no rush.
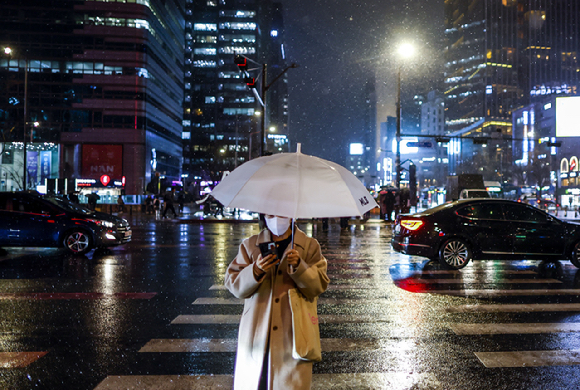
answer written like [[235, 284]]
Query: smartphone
[[267, 248]]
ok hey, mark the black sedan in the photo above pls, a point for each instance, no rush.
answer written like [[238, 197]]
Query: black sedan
[[28, 219], [456, 232]]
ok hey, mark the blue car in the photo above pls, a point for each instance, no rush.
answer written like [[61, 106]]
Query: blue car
[[31, 220]]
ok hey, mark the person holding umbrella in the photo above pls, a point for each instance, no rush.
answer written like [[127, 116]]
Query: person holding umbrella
[[263, 277]]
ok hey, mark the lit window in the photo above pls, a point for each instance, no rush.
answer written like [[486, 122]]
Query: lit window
[[205, 27]]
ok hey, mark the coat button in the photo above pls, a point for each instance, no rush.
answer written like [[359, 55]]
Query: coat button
[[275, 328], [277, 300], [279, 272]]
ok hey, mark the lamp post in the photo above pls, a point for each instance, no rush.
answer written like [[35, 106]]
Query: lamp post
[[265, 88], [405, 50], [8, 51]]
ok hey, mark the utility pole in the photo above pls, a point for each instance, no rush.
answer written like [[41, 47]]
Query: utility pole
[[242, 63]]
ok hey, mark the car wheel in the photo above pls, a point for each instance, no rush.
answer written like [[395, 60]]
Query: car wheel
[[77, 242], [454, 253], [575, 255]]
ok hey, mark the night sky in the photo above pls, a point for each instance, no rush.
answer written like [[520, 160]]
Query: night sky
[[342, 44]]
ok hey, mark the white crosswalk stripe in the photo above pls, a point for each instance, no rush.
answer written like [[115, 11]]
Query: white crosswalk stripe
[[386, 380], [514, 308], [529, 358], [518, 328], [321, 301], [229, 345], [234, 319]]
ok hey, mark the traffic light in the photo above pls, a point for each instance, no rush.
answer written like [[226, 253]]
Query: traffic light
[[250, 82], [413, 184], [241, 62]]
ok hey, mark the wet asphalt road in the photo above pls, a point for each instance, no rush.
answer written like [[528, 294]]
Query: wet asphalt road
[[153, 315]]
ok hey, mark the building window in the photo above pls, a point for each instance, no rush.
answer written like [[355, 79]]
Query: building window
[[205, 27], [206, 51]]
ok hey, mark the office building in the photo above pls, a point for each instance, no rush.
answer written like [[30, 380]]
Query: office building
[[98, 85], [501, 55], [222, 115]]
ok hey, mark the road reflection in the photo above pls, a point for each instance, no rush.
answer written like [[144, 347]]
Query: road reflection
[[429, 276]]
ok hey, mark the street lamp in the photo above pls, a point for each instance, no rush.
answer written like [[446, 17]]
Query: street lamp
[[405, 50], [265, 88], [256, 113], [8, 51]]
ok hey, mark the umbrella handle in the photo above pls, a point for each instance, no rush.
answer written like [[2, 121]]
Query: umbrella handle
[[293, 219]]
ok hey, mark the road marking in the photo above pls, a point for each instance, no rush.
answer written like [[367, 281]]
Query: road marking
[[380, 380], [529, 358], [415, 271], [235, 319], [19, 359], [520, 328], [321, 301], [331, 287], [514, 308], [483, 281], [500, 293], [87, 295], [230, 345]]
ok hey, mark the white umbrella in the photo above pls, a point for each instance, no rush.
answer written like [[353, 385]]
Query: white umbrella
[[294, 185]]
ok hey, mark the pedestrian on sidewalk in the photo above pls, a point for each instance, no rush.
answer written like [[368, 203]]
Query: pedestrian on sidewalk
[[264, 355], [120, 204], [157, 207], [168, 199]]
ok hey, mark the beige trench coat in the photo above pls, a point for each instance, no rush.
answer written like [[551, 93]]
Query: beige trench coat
[[267, 312]]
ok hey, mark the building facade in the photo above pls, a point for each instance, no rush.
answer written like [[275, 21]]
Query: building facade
[[98, 86], [502, 55], [222, 115]]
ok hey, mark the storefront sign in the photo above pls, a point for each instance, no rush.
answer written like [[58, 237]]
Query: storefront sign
[[99, 160], [45, 159]]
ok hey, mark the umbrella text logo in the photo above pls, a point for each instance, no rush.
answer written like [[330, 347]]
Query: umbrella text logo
[[363, 201], [313, 319]]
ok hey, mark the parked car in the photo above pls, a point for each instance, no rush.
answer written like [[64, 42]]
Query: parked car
[[457, 232], [31, 220]]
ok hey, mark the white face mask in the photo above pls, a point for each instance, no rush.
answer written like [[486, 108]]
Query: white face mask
[[278, 225]]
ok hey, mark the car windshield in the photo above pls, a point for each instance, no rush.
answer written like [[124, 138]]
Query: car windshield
[[68, 205]]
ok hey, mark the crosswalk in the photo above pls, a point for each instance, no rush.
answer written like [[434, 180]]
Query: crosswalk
[[355, 285]]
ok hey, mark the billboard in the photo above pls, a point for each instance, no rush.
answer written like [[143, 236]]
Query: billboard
[[568, 116], [99, 160]]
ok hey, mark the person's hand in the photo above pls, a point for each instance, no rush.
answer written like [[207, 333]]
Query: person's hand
[[292, 257], [263, 264]]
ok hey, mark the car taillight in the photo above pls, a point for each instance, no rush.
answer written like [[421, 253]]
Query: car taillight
[[411, 224]]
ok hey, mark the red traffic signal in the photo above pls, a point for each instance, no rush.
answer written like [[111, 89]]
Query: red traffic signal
[[250, 82], [241, 62]]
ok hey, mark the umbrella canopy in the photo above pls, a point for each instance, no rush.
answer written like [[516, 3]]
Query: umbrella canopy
[[294, 185]]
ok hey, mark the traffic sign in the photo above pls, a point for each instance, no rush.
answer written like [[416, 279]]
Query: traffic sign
[[421, 144]]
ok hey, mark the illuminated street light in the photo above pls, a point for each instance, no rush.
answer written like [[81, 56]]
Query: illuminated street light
[[406, 51], [8, 51]]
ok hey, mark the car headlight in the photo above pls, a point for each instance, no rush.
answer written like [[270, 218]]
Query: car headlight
[[100, 222]]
